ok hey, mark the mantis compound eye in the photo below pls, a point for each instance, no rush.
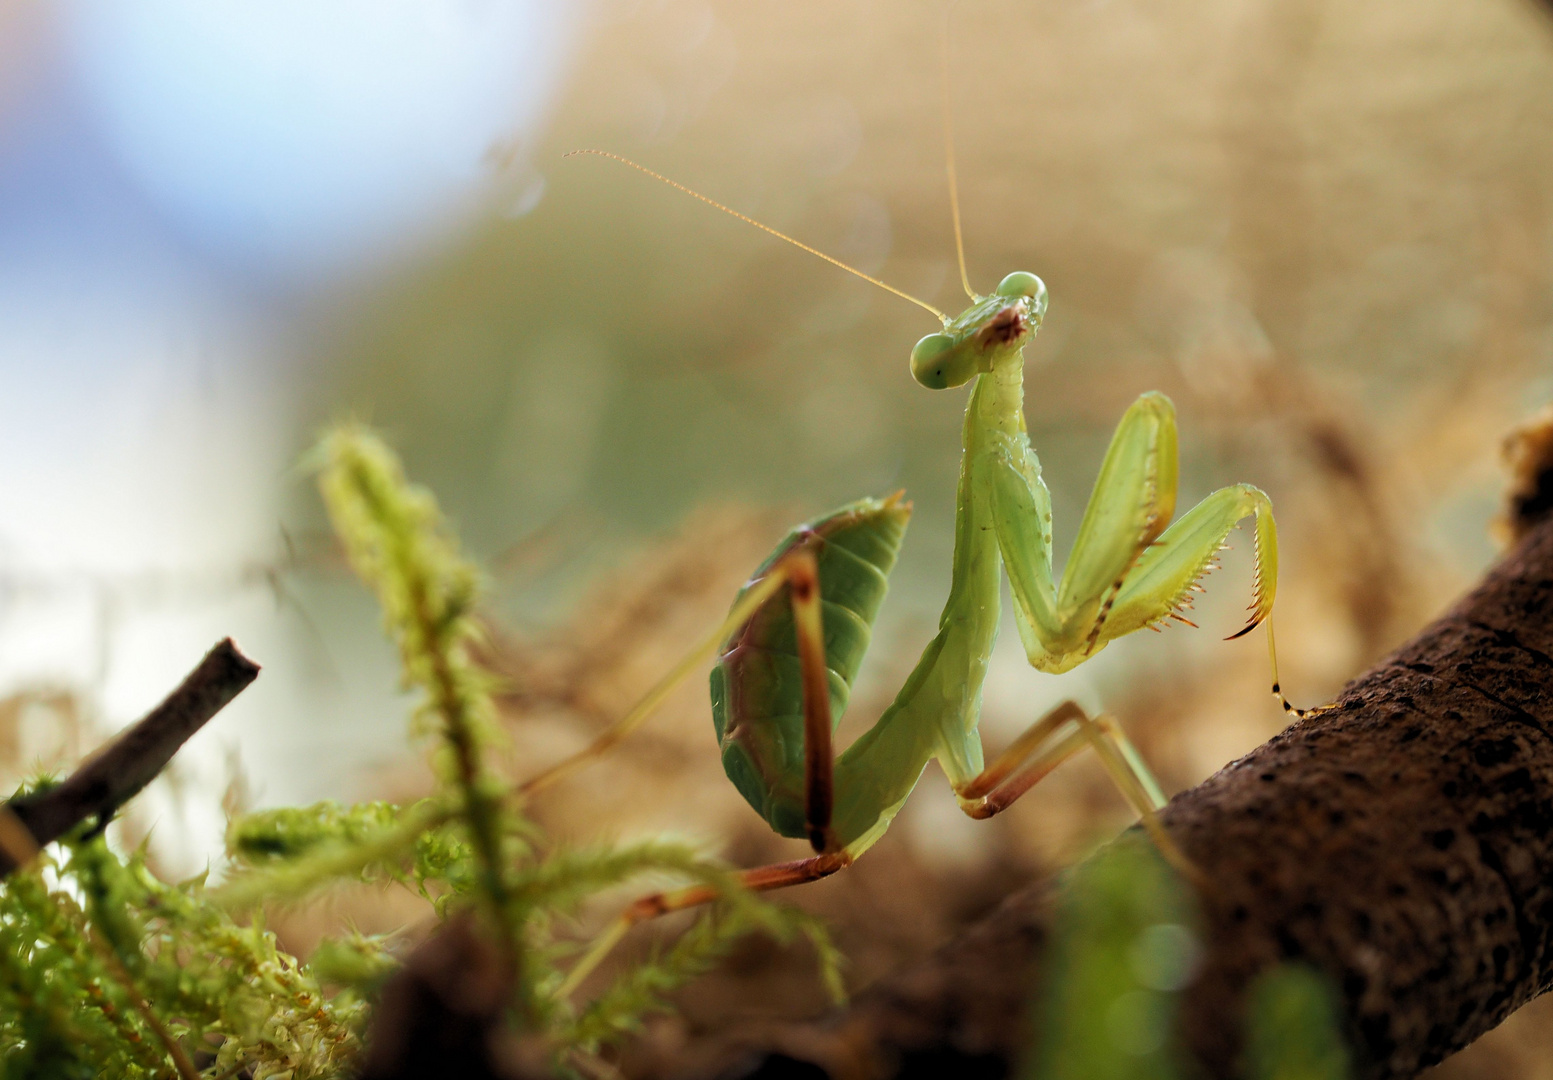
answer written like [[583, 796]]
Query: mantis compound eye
[[933, 362], [1021, 283]]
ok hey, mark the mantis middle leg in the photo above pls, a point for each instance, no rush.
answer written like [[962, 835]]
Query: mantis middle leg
[[1062, 733]]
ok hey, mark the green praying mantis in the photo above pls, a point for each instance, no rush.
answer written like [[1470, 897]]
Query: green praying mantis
[[796, 635]]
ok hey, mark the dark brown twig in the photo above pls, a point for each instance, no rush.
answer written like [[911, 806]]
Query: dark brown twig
[[116, 773]]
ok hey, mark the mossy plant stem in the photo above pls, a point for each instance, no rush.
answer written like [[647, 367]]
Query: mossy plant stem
[[480, 809], [121, 975]]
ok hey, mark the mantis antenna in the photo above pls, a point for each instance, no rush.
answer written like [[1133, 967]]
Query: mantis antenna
[[954, 186], [767, 228]]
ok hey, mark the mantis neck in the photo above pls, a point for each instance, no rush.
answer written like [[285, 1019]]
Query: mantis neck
[[999, 399]]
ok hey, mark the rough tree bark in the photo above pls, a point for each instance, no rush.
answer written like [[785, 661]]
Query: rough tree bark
[[1402, 843]]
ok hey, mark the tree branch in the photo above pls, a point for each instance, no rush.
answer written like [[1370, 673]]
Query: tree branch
[[1402, 843], [116, 773]]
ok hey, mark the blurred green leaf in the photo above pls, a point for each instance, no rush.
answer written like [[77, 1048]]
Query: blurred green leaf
[[1292, 1027], [1126, 944]]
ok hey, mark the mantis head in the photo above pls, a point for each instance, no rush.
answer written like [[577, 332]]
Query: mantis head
[[990, 329]]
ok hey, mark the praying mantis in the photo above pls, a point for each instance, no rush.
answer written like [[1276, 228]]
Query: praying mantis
[[795, 638]]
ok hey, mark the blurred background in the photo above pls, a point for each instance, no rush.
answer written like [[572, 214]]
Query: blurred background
[[1323, 229]]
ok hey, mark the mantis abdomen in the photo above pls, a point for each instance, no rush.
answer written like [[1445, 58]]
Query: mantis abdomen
[[757, 690]]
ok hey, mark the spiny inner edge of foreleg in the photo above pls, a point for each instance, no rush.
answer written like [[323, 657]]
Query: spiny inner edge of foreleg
[[1115, 589], [1256, 594]]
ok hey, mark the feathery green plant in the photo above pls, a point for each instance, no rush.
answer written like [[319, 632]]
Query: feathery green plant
[[397, 543]]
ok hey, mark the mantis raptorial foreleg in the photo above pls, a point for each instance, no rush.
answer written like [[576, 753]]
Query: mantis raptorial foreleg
[[1162, 582], [1127, 571], [1133, 499], [1132, 502]]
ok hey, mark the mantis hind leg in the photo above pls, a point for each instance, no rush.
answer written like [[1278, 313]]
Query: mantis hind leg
[[1054, 738], [760, 879], [818, 758], [800, 572]]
